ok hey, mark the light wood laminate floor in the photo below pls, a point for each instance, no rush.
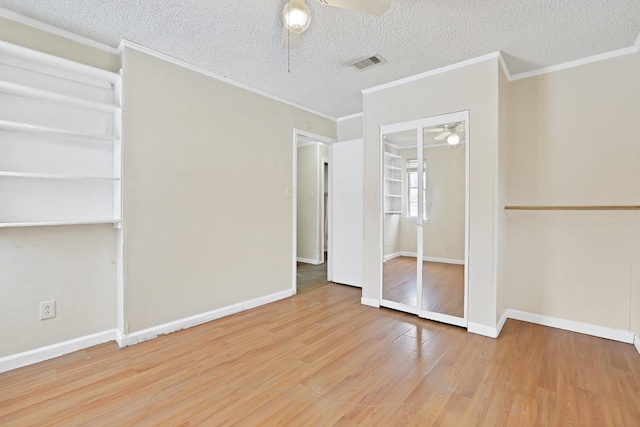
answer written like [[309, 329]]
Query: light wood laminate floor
[[321, 358], [442, 285]]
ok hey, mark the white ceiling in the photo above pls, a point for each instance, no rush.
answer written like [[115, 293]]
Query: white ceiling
[[241, 39]]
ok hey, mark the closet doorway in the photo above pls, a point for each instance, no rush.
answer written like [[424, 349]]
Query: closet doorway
[[424, 220]]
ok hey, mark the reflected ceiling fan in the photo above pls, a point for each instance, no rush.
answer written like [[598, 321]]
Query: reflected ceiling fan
[[296, 16], [451, 131]]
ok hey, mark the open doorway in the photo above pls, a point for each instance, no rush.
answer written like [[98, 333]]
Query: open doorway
[[312, 207]]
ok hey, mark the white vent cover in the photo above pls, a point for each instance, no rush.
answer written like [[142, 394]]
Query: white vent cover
[[366, 63]]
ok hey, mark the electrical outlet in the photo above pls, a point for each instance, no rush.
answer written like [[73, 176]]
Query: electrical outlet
[[47, 309]]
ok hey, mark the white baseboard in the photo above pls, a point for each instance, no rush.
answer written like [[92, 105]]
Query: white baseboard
[[426, 258], [55, 350], [480, 329], [125, 340], [370, 302], [636, 343], [501, 323], [573, 326], [309, 261]]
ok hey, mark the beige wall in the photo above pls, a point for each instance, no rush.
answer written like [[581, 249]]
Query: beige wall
[[573, 141], [350, 128], [75, 265], [207, 222], [307, 213], [474, 88], [443, 233]]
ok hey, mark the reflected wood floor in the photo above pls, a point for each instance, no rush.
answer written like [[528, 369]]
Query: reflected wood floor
[[442, 285], [321, 358]]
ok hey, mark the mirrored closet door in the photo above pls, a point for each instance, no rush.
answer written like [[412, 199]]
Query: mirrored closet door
[[425, 217]]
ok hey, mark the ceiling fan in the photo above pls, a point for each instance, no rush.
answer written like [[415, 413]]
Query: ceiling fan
[[451, 131], [296, 16]]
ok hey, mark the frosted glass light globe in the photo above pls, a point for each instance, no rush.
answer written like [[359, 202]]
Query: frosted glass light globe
[[453, 139], [296, 16]]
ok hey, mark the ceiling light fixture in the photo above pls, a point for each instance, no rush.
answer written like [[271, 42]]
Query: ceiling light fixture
[[296, 16], [453, 139]]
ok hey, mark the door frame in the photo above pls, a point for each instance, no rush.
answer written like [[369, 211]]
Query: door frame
[[419, 125], [299, 133]]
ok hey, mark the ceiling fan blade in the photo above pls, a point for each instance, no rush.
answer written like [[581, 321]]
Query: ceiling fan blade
[[435, 130], [290, 40], [373, 7], [442, 136]]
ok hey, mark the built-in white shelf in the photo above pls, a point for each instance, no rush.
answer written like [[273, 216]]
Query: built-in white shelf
[[62, 118], [12, 88], [55, 176], [58, 64], [54, 132], [51, 223], [392, 183]]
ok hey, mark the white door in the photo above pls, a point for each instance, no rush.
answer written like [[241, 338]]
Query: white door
[[346, 191]]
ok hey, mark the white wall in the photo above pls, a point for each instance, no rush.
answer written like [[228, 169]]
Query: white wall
[[573, 140], [75, 265], [207, 221], [473, 88]]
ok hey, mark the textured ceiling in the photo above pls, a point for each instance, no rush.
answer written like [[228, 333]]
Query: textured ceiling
[[240, 39]]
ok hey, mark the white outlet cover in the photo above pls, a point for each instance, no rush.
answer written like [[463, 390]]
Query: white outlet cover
[[47, 309]]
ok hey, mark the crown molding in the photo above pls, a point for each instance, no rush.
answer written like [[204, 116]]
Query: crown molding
[[51, 29], [445, 69], [131, 45], [349, 117], [576, 63]]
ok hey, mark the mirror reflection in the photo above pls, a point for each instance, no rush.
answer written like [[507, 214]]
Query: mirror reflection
[[443, 232], [433, 253], [399, 270]]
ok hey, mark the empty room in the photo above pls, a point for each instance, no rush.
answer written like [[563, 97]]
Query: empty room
[[317, 213]]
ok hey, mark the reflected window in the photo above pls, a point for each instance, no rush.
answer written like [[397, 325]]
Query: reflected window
[[412, 189]]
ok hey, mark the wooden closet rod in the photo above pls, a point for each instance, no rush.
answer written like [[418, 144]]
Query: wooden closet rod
[[573, 208]]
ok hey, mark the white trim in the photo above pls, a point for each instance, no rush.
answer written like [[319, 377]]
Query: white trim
[[394, 305], [426, 258], [371, 302], [187, 322], [294, 214], [55, 350], [315, 137], [636, 45], [576, 63], [636, 342], [573, 326], [349, 117], [501, 323], [479, 329], [51, 29], [306, 143], [447, 68], [503, 64], [148, 51], [309, 261], [443, 318]]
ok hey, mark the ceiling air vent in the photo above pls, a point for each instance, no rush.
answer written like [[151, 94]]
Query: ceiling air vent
[[366, 63]]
